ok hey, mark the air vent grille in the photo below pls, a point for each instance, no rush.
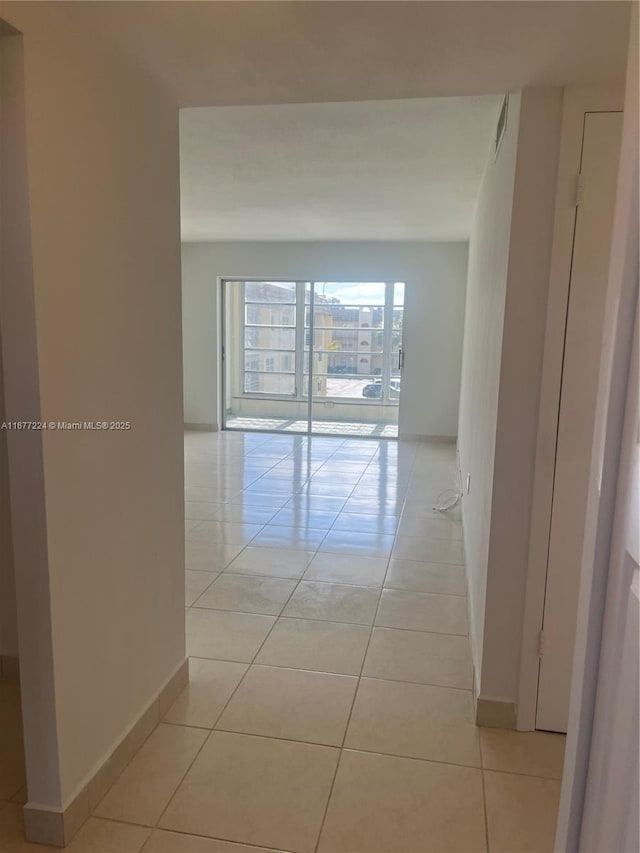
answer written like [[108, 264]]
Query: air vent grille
[[502, 124]]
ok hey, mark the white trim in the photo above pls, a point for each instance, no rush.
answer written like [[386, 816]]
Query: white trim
[[200, 427], [417, 436], [577, 102], [622, 295], [495, 713], [220, 365]]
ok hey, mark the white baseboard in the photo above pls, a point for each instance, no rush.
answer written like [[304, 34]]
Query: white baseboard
[[495, 713], [193, 427], [56, 827], [414, 436]]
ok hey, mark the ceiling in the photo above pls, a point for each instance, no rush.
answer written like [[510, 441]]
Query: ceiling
[[371, 170], [222, 53], [399, 171]]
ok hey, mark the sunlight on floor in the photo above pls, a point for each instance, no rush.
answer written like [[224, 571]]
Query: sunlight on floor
[[378, 430]]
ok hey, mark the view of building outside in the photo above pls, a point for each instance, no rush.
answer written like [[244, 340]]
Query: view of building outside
[[270, 337], [350, 331]]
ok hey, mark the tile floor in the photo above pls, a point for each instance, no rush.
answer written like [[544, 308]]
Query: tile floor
[[298, 425], [330, 703]]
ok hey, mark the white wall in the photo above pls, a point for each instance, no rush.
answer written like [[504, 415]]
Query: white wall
[[484, 317], [94, 334], [200, 335], [434, 317], [520, 379], [504, 337], [599, 797]]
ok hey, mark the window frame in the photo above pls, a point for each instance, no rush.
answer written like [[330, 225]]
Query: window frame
[[301, 352]]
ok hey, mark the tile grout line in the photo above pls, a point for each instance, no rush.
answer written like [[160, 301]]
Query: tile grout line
[[207, 738], [212, 729], [346, 728], [484, 792], [484, 809], [341, 749], [208, 586], [233, 693], [353, 703], [204, 742], [337, 621], [557, 779], [342, 675], [371, 627], [182, 777], [151, 829]]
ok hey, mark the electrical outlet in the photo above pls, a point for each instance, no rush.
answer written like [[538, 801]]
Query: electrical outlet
[[468, 482]]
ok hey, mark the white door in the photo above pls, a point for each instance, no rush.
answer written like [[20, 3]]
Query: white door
[[583, 341], [610, 818]]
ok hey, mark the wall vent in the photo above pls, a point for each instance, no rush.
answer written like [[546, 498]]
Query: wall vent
[[501, 126]]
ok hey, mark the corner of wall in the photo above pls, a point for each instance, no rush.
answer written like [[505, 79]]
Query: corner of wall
[[525, 312], [58, 827]]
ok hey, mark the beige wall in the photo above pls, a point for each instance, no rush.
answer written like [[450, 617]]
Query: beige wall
[[8, 616], [435, 274], [504, 336], [102, 164], [22, 402]]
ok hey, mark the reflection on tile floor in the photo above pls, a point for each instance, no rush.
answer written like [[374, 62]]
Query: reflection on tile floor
[[300, 425], [330, 704]]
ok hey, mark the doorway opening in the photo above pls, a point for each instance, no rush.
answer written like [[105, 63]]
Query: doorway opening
[[321, 358]]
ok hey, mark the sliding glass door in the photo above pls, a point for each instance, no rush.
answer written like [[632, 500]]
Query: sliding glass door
[[313, 357]]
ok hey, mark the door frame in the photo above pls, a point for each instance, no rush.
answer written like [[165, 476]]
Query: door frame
[[601, 569], [578, 100]]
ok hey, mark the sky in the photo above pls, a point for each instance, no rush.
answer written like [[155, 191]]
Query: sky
[[359, 293]]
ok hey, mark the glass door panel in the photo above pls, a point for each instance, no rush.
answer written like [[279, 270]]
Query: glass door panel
[[261, 363], [322, 357], [356, 390]]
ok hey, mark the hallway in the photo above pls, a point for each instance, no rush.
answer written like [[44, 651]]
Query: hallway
[[330, 704], [321, 643]]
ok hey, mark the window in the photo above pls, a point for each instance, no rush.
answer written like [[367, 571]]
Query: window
[[251, 382], [349, 336], [269, 337]]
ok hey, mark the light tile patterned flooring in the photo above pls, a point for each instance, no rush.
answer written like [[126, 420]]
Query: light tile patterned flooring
[[330, 703]]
